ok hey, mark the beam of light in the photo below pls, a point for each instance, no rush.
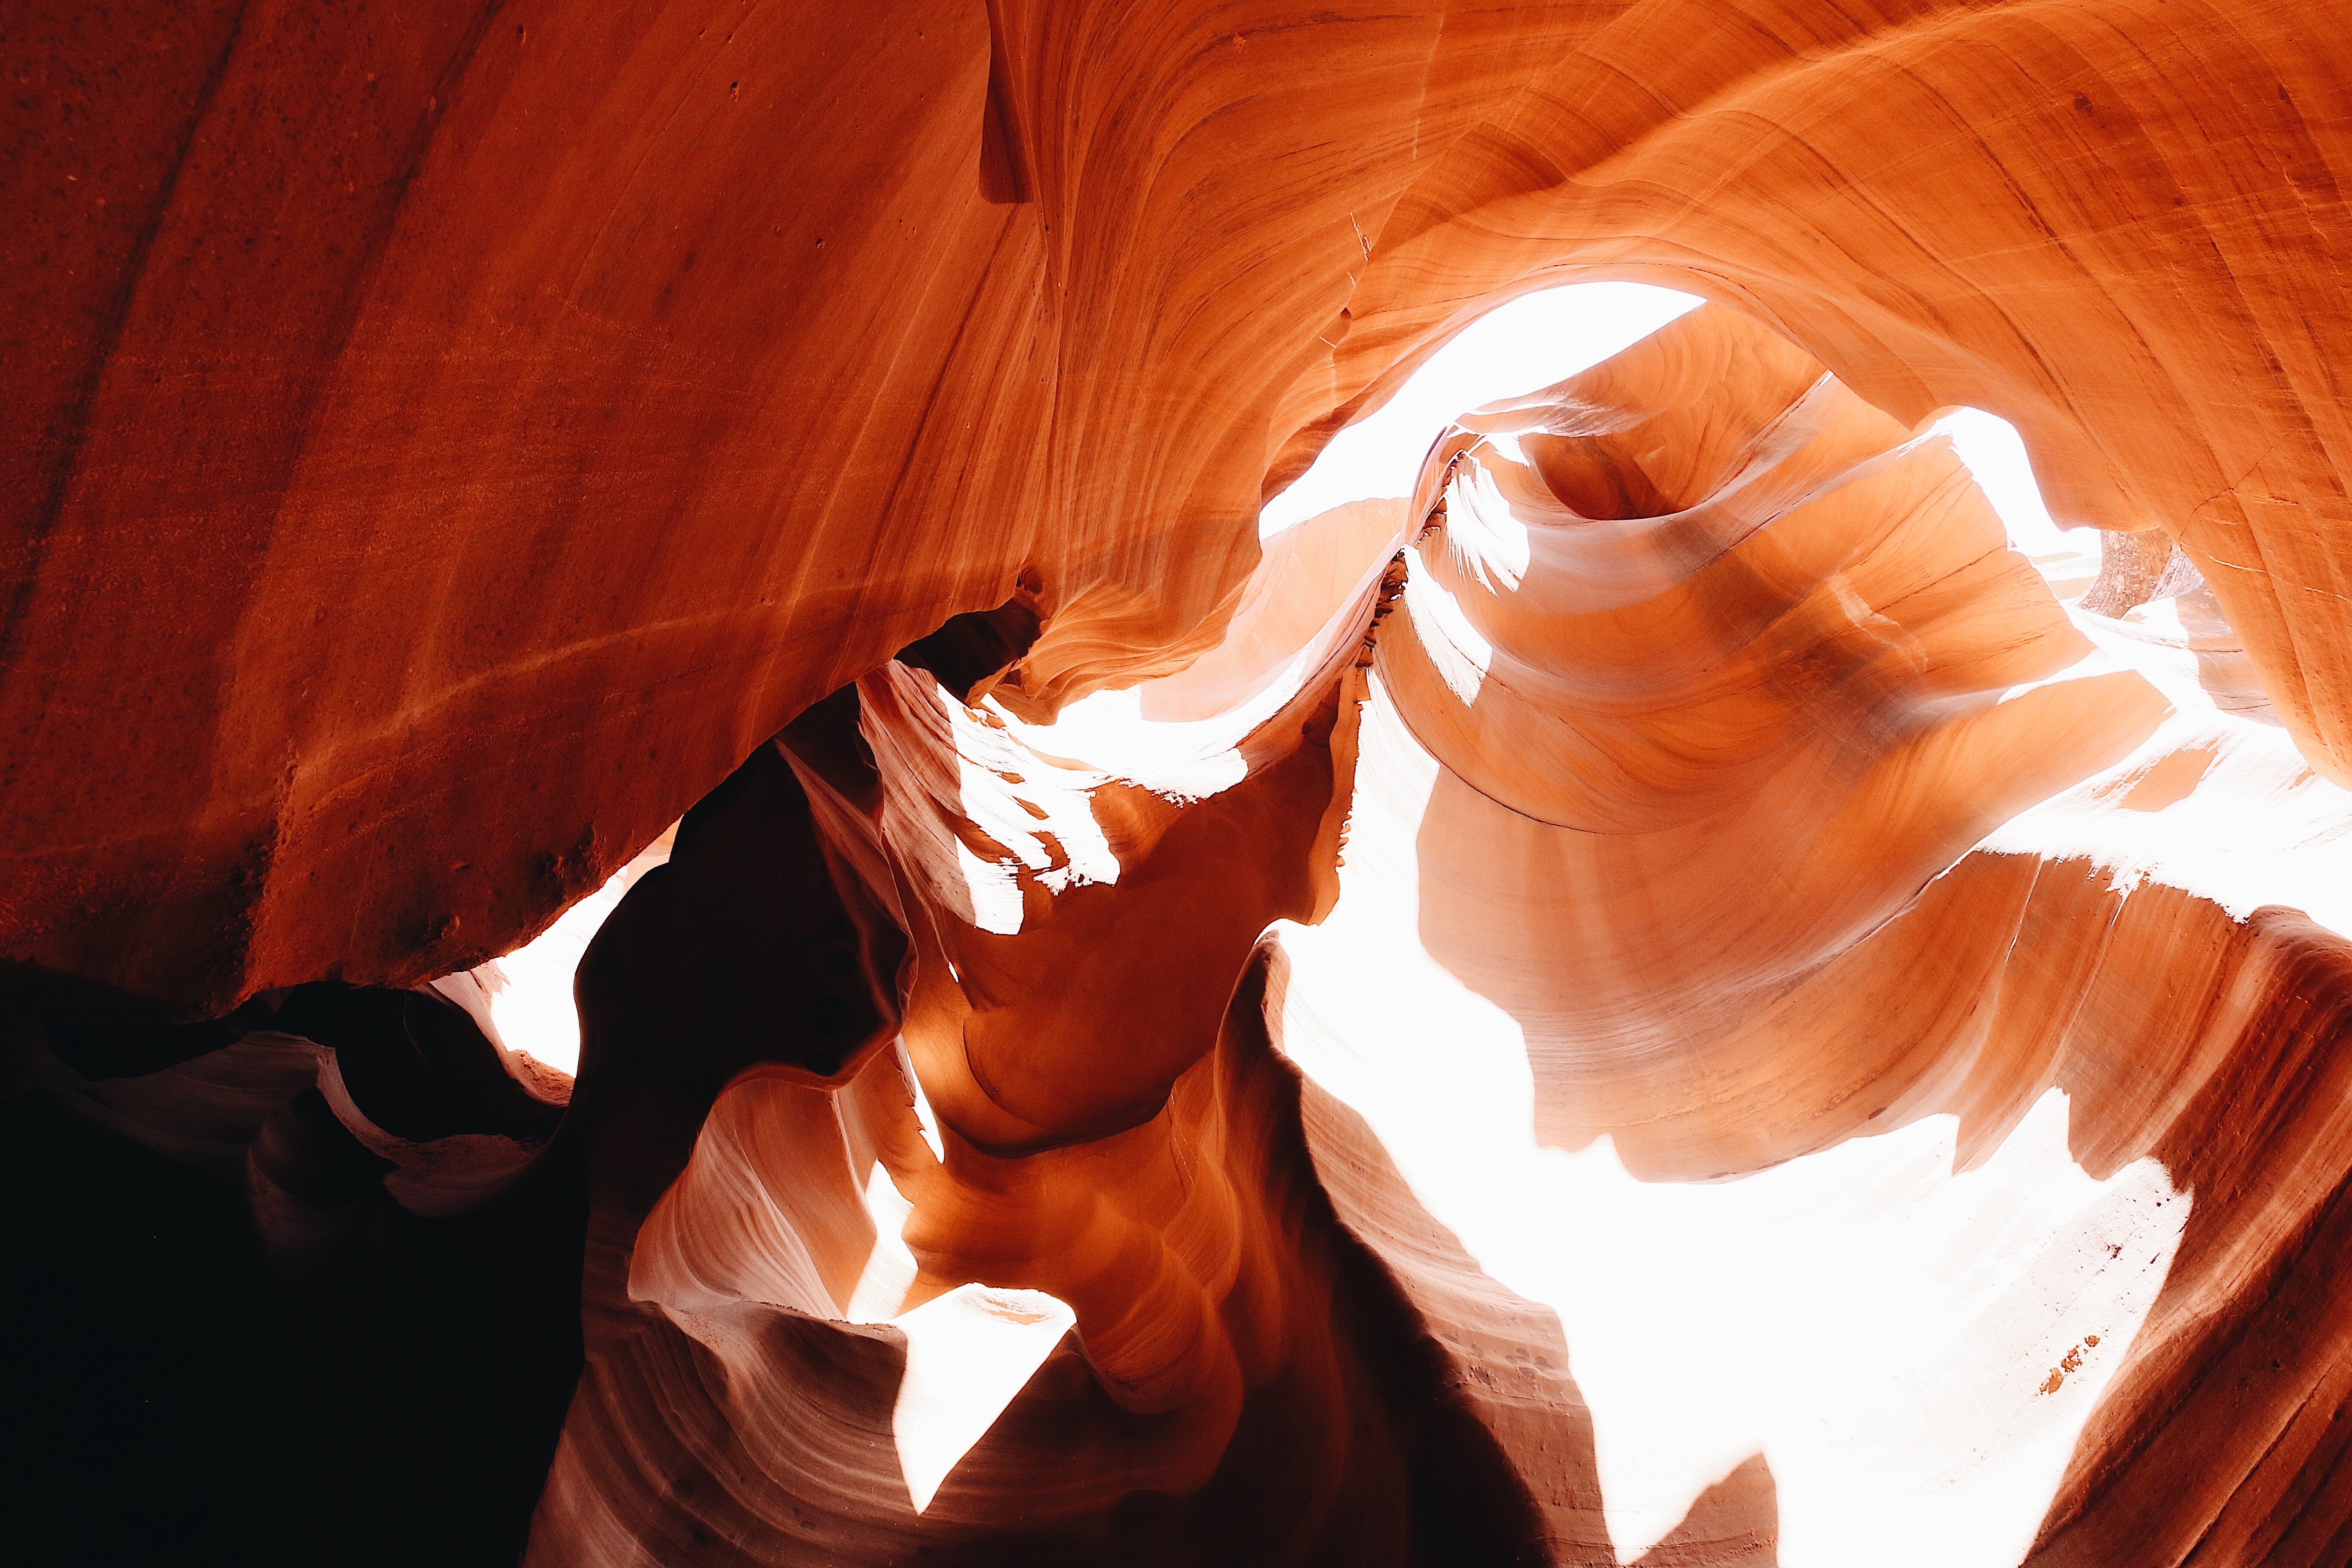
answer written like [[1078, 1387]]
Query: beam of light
[[969, 1353], [1530, 343], [531, 988]]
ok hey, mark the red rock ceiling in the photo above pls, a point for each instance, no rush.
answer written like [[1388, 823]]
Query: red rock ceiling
[[450, 442]]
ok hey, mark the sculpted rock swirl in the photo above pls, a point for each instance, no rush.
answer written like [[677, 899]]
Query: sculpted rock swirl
[[1672, 995]]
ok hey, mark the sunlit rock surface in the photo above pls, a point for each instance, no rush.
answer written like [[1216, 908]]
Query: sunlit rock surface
[[1662, 997], [409, 535], [1765, 1159]]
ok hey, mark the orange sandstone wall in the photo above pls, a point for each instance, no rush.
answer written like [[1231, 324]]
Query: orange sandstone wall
[[453, 441], [1724, 970], [1667, 745]]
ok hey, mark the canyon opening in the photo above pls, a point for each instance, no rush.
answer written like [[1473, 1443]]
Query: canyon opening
[[1089, 783]]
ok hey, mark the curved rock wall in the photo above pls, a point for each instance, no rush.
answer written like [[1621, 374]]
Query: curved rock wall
[[410, 531], [1659, 999], [2034, 1175], [1964, 1176]]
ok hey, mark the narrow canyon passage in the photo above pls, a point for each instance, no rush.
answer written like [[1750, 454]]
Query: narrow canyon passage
[[1831, 1208], [1074, 784]]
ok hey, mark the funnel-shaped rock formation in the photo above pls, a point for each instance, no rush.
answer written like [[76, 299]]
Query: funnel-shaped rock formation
[[1661, 998], [1665, 746]]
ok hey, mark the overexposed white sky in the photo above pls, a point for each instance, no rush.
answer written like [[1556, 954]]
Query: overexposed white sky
[[1540, 339]]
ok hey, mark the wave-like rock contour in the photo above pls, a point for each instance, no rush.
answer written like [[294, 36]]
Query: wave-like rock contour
[[1663, 752]]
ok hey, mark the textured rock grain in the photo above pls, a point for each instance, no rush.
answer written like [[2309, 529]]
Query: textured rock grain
[[407, 535], [1659, 999]]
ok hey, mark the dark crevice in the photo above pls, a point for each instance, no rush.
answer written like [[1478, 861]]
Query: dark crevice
[[975, 650]]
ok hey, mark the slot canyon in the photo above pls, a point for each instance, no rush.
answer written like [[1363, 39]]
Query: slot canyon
[[985, 781]]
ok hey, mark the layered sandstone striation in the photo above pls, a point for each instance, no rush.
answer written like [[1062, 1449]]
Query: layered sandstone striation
[[2042, 1053], [1671, 746], [1658, 999], [407, 536]]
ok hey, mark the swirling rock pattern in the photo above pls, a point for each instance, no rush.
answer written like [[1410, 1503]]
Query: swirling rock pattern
[[405, 497], [1657, 999], [1719, 1018], [1668, 749]]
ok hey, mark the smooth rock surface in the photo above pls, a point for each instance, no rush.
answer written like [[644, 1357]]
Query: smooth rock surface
[[407, 535], [1661, 998]]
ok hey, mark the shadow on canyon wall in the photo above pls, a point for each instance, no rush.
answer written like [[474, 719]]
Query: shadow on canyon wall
[[175, 1399]]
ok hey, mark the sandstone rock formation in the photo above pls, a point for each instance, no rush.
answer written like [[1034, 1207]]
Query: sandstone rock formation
[[517, 465], [1699, 610], [1658, 999]]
